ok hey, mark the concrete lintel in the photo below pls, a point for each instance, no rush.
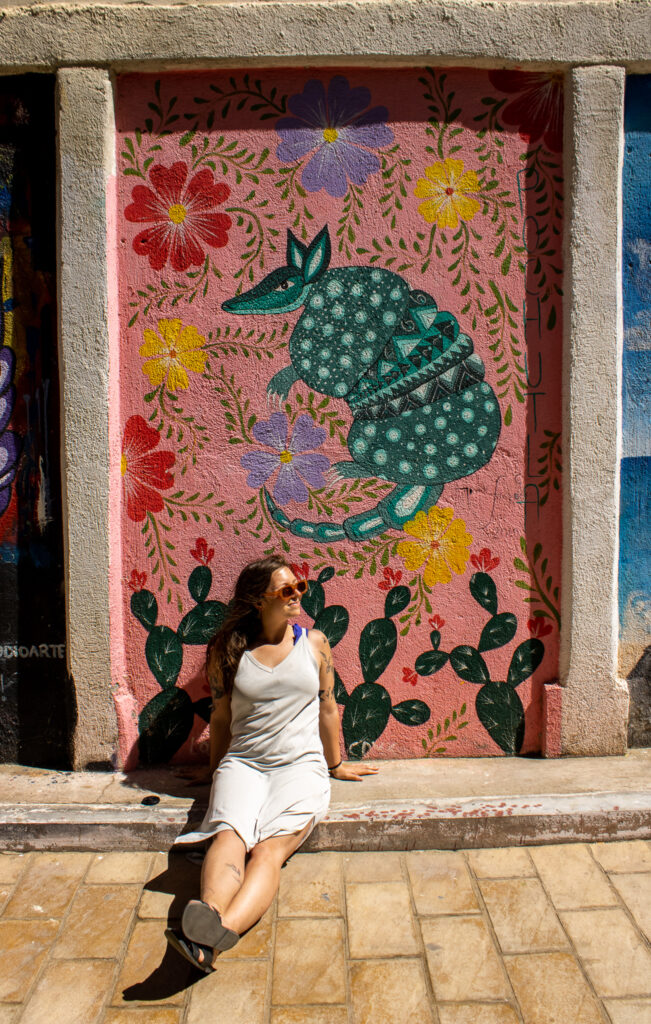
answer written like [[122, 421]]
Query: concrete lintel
[[86, 134], [595, 701], [44, 36]]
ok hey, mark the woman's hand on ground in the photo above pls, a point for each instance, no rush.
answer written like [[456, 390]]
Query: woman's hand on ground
[[344, 773], [195, 774]]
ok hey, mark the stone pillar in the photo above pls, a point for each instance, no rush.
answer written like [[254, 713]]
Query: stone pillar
[[86, 141], [595, 701]]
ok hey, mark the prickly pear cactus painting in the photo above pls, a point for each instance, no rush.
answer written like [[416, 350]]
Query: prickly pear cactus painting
[[339, 339]]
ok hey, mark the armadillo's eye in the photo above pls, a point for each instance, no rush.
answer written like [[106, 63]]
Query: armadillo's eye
[[284, 286]]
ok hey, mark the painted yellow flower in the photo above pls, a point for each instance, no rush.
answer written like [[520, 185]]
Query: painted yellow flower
[[445, 192], [171, 352], [441, 541]]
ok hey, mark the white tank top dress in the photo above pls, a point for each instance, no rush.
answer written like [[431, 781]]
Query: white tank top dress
[[274, 779]]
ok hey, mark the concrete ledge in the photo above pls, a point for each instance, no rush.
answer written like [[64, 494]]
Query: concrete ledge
[[38, 36], [478, 803]]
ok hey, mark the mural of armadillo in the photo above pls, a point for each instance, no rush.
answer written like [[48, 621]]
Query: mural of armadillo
[[423, 415]]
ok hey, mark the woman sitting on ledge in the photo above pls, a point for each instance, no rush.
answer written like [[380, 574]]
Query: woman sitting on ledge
[[274, 718]]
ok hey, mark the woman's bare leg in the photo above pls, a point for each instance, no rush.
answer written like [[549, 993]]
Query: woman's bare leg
[[222, 873], [261, 880]]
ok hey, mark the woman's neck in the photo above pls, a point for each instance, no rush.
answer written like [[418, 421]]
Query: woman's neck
[[272, 632]]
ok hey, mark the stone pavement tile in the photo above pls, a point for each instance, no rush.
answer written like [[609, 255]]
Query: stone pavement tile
[[380, 921], [9, 1014], [551, 989], [144, 1015], [234, 994], [311, 886], [373, 867], [173, 880], [156, 904], [24, 946], [12, 865], [613, 953], [120, 868], [47, 886], [70, 992], [523, 918], [463, 963], [477, 1013], [571, 877], [97, 922], [257, 941], [629, 1011], [309, 1015], [634, 855], [440, 883], [511, 862], [5, 893], [309, 963], [389, 990], [151, 971], [635, 890]]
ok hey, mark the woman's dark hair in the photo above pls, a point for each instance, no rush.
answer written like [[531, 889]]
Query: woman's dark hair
[[242, 623]]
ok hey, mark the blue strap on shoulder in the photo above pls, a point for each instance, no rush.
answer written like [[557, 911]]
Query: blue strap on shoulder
[[298, 632]]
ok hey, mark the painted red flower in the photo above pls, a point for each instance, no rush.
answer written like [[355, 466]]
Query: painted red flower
[[537, 112], [391, 579], [538, 627], [180, 215], [436, 622], [409, 676], [144, 471], [138, 580], [202, 552], [484, 561], [301, 572]]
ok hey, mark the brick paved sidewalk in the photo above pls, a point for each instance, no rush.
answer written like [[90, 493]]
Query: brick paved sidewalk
[[547, 935]]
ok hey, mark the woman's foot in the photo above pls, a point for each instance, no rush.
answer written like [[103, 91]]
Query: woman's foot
[[198, 955], [203, 924]]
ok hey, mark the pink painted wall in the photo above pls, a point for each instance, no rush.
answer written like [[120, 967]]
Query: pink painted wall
[[441, 193]]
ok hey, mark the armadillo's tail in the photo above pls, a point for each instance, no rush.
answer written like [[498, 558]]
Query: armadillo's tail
[[400, 505]]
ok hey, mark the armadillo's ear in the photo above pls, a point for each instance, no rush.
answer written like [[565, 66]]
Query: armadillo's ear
[[296, 252], [317, 259]]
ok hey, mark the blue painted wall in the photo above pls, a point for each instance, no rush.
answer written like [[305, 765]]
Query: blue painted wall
[[635, 520]]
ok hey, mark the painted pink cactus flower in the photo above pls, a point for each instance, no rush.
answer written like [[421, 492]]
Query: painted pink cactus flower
[[202, 552], [339, 132], [538, 627], [296, 459], [181, 214], [484, 561]]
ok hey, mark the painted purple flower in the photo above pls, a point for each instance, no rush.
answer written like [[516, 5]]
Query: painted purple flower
[[295, 458], [339, 129], [9, 441]]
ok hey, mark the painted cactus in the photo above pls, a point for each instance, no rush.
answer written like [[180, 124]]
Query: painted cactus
[[497, 703], [423, 415], [165, 722], [368, 707]]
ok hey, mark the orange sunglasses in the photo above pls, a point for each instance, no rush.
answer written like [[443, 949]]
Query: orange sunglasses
[[288, 591]]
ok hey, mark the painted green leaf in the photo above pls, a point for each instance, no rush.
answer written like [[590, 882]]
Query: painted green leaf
[[430, 662], [500, 711], [164, 653], [341, 694], [333, 621], [326, 574], [313, 601], [365, 718], [203, 708], [199, 583], [526, 659], [202, 622], [164, 724], [396, 601], [411, 712], [484, 591], [377, 645], [469, 664], [145, 608], [498, 631]]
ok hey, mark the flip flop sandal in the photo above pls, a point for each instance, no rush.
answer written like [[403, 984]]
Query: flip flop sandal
[[191, 951], [204, 925]]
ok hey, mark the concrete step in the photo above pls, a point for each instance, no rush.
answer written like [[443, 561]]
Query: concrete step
[[452, 803]]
